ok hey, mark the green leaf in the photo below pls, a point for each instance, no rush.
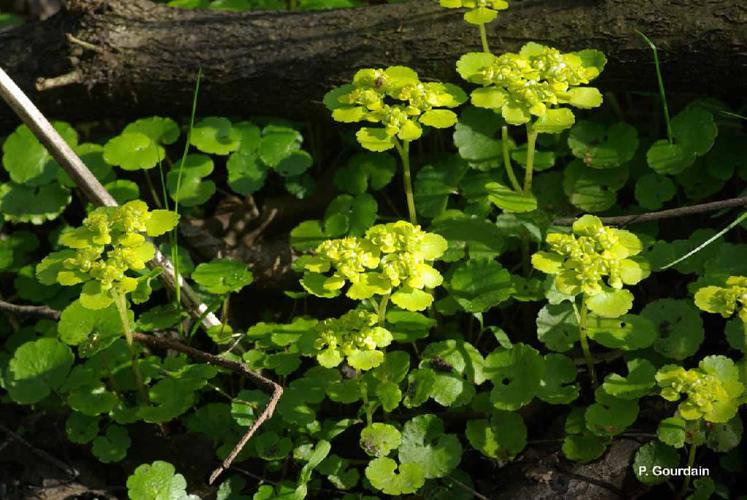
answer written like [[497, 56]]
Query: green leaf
[[610, 303], [394, 368], [159, 129], [192, 189], [678, 325], [610, 416], [296, 163], [579, 443], [478, 285], [590, 189], [475, 136], [215, 135], [409, 326], [425, 444], [383, 474], [278, 144], [516, 374], [480, 238], [438, 118], [556, 385], [412, 299], [123, 190], [585, 97], [365, 170], [133, 151], [21, 203], [654, 454], [723, 437], [350, 215], [666, 158], [557, 327], [653, 190], [509, 200], [270, 446], [161, 222], [156, 481], [672, 431], [462, 357], [36, 369], [375, 139], [554, 121], [112, 446], [78, 323], [695, 130], [629, 332], [435, 183], [470, 65], [246, 172], [92, 399], [222, 276], [639, 382], [379, 439], [480, 15], [27, 160], [602, 147], [81, 429]]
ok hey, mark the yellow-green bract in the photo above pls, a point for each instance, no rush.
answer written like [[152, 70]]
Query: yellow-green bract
[[712, 389], [725, 300], [390, 259], [110, 242], [592, 253], [535, 82], [353, 336], [396, 99], [480, 11]]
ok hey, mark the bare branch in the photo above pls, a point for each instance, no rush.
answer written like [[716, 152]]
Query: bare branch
[[624, 220], [25, 310], [268, 385]]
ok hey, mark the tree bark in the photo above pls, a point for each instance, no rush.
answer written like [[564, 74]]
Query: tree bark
[[129, 58]]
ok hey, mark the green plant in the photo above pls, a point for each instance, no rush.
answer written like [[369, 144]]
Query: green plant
[[432, 343], [594, 262], [395, 98]]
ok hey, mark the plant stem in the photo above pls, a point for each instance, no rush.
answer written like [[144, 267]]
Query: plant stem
[[484, 39], [382, 308], [224, 316], [531, 144], [175, 232], [660, 80], [744, 355], [120, 302], [581, 316], [690, 463], [152, 189], [507, 160], [404, 154]]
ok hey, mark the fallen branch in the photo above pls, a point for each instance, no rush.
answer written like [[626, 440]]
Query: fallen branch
[[91, 187], [624, 220], [275, 390], [24, 310], [268, 385]]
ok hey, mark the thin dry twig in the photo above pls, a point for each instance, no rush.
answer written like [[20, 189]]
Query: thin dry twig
[[623, 220], [268, 385], [70, 471], [55, 82], [90, 185], [275, 390], [24, 310]]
